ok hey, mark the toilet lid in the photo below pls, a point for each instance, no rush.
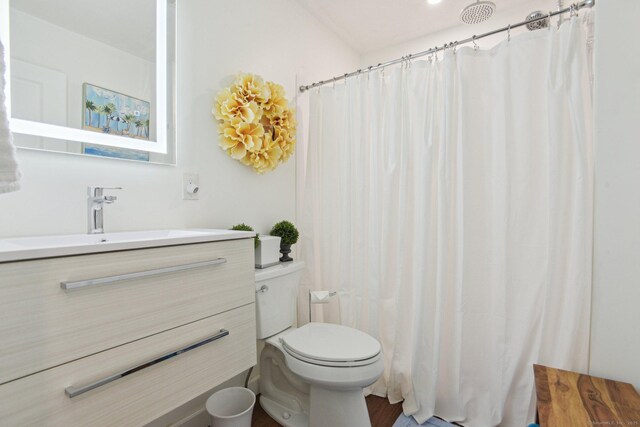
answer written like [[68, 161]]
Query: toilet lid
[[326, 342]]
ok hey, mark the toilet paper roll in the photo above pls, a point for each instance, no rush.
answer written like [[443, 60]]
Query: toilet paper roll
[[320, 297]]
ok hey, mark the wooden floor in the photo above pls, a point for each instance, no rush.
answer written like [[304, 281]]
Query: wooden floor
[[381, 412]]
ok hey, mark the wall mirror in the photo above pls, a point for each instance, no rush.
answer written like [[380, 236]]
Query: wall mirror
[[92, 78]]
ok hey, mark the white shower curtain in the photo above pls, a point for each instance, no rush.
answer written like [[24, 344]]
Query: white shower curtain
[[450, 203]]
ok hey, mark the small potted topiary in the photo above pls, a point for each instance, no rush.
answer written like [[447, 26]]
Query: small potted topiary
[[245, 227], [288, 236]]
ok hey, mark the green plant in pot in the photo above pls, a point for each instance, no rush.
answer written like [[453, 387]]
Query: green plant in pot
[[288, 236], [245, 227]]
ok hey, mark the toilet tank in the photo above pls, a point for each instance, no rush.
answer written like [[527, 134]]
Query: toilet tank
[[276, 297]]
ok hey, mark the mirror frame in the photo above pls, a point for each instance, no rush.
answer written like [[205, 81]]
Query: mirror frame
[[29, 127]]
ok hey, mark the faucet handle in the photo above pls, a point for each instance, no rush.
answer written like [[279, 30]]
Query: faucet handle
[[97, 191]]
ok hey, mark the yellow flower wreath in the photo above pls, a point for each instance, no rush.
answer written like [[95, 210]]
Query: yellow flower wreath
[[256, 124]]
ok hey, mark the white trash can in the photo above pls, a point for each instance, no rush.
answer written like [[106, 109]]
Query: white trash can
[[231, 407]]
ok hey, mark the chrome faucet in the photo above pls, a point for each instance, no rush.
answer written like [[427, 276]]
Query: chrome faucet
[[96, 202]]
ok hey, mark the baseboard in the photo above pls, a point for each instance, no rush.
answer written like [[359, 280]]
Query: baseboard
[[254, 385]]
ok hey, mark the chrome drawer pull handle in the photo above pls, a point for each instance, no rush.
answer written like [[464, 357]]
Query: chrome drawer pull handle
[[118, 278], [76, 391]]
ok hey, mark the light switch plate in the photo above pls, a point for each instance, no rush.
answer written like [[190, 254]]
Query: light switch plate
[[190, 186]]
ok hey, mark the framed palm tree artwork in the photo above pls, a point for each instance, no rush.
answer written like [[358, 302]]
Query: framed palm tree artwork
[[111, 112]]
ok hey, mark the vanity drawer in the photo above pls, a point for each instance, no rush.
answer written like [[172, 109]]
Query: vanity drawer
[[43, 325], [136, 399]]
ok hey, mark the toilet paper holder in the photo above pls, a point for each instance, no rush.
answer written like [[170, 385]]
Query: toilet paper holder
[[319, 297]]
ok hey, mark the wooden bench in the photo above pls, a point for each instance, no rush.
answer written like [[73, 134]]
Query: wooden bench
[[566, 399]]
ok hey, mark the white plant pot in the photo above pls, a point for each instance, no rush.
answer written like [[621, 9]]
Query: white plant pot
[[268, 251]]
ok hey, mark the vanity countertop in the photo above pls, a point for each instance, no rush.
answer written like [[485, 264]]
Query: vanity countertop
[[27, 248]]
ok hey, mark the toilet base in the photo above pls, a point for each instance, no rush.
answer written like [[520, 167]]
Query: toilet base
[[279, 413], [331, 397], [338, 408]]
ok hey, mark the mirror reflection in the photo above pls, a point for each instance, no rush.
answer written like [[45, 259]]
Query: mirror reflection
[[86, 64]]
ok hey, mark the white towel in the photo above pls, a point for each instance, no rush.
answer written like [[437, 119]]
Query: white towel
[[9, 172]]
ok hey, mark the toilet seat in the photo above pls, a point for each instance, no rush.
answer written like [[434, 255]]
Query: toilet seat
[[331, 345]]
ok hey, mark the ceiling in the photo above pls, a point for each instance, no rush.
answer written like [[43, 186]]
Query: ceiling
[[124, 24], [367, 25]]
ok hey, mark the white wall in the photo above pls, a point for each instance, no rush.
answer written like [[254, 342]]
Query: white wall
[[216, 39], [615, 323]]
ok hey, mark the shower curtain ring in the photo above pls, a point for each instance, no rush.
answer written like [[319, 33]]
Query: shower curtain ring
[[574, 10], [509, 33], [475, 45], [549, 21]]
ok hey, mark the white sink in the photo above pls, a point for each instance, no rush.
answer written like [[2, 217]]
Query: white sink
[[23, 248]]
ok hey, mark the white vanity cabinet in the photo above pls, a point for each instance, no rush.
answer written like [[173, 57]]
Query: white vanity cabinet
[[121, 338]]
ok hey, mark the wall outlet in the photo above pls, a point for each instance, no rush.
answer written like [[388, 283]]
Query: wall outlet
[[190, 186]]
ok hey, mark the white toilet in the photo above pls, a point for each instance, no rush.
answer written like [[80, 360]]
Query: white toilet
[[313, 375]]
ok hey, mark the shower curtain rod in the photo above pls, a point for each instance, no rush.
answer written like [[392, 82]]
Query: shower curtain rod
[[573, 8]]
